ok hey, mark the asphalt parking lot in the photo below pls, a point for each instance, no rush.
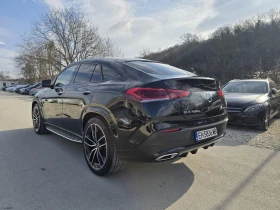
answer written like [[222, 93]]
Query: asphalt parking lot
[[49, 172]]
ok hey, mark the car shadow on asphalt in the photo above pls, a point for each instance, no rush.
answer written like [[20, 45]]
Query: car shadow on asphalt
[[139, 185]]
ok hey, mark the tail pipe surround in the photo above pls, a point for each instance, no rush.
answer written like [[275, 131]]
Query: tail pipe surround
[[167, 157]]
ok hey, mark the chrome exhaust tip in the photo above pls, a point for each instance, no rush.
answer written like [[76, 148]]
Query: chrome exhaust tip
[[167, 157]]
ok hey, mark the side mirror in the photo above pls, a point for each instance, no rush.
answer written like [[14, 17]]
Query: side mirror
[[46, 83], [273, 91]]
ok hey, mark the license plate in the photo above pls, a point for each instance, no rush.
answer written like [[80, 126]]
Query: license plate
[[205, 134]]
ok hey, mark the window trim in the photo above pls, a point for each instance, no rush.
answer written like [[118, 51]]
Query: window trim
[[74, 74], [92, 63], [121, 77], [96, 64]]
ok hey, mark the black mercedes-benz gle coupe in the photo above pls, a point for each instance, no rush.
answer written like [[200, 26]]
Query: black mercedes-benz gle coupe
[[131, 109], [252, 102]]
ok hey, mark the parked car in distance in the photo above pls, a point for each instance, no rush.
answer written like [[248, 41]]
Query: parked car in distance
[[13, 88], [4, 88], [252, 102], [17, 90], [129, 109], [26, 90], [35, 90], [8, 88]]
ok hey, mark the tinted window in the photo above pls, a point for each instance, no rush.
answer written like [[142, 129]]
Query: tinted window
[[84, 74], [109, 74], [65, 77], [246, 87], [158, 68], [96, 77]]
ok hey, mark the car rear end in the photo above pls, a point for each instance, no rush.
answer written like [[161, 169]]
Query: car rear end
[[22, 90], [183, 113], [33, 91]]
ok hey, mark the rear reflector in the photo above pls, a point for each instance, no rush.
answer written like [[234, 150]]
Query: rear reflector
[[221, 94], [155, 94], [171, 130]]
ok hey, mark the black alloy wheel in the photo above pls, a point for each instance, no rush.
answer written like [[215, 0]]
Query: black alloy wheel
[[100, 149], [265, 124], [38, 122]]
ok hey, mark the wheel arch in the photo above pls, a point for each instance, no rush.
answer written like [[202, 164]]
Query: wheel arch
[[40, 107], [104, 115]]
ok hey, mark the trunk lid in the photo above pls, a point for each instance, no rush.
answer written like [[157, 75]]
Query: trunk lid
[[203, 101]]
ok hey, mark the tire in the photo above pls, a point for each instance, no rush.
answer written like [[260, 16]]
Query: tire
[[100, 148], [38, 121], [278, 115], [265, 124]]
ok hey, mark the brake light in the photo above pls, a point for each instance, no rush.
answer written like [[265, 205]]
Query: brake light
[[155, 94], [221, 94], [178, 93], [171, 130]]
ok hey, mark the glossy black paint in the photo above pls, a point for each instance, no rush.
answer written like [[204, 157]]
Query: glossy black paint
[[136, 126], [238, 102]]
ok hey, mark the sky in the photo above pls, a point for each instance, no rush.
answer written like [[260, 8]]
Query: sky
[[134, 25]]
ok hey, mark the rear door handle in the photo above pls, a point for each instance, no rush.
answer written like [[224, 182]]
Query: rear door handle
[[86, 92]]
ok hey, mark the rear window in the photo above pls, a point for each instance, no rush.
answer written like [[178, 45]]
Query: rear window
[[158, 68]]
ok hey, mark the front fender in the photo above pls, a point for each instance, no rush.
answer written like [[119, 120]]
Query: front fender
[[38, 100]]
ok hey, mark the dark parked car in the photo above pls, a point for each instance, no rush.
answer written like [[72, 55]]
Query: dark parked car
[[35, 90], [4, 88], [21, 86], [25, 91], [252, 102], [125, 109]]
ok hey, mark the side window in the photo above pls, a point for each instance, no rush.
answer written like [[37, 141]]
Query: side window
[[96, 76], [65, 77], [110, 74], [84, 74]]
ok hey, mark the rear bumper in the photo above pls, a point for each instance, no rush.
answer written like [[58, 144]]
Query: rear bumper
[[180, 142]]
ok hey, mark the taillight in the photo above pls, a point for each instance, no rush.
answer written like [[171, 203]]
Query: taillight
[[221, 94], [178, 93], [155, 94]]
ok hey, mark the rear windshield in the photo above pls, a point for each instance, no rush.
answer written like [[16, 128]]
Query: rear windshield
[[158, 68], [246, 87]]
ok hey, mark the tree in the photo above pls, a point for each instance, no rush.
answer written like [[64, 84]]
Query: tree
[[5, 75], [189, 38], [73, 35], [249, 49], [59, 38]]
